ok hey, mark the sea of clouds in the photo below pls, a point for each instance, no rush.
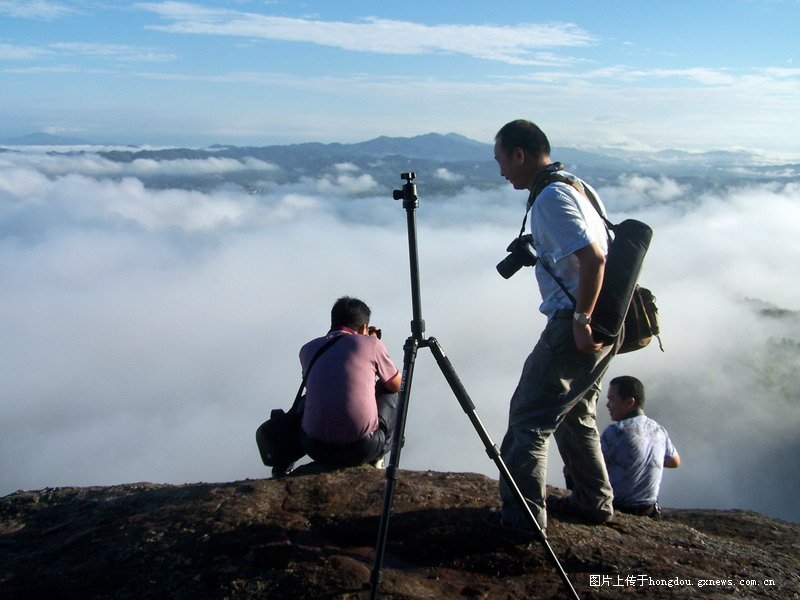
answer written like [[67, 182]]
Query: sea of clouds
[[147, 332]]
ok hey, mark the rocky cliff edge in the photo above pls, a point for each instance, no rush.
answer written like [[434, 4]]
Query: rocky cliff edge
[[312, 536]]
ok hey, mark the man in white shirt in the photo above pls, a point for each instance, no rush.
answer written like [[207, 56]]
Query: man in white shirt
[[559, 386]]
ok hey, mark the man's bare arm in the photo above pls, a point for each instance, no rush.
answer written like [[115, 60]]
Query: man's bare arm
[[591, 267]]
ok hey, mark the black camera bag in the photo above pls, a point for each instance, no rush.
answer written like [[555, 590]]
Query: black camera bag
[[278, 438], [641, 322]]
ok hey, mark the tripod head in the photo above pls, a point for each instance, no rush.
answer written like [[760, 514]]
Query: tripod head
[[408, 194]]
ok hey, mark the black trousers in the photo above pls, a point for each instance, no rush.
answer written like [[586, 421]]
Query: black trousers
[[367, 449]]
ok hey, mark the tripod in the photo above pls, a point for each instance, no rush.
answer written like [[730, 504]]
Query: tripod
[[417, 339]]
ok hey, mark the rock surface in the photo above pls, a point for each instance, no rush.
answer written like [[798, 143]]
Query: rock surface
[[312, 536]]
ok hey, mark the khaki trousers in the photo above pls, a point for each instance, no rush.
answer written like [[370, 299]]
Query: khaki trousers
[[557, 394]]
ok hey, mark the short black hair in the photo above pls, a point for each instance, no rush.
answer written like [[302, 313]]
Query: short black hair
[[523, 134], [630, 387], [349, 312]]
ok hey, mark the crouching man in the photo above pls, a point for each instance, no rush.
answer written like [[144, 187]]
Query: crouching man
[[636, 449], [351, 392]]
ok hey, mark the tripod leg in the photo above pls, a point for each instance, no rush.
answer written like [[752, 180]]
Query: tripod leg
[[409, 359], [491, 449]]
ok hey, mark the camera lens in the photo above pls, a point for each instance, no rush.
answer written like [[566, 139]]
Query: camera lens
[[508, 266], [519, 256]]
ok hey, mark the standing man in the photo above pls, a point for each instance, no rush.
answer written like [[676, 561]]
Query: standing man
[[636, 449], [351, 391], [559, 386]]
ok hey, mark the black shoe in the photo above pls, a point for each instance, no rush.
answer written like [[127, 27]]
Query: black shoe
[[278, 472], [519, 534], [564, 506], [656, 514], [646, 510]]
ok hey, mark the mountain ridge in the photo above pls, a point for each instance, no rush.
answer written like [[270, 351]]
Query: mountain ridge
[[41, 138], [448, 163], [448, 146]]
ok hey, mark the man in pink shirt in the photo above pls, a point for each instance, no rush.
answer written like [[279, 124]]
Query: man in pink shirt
[[351, 391]]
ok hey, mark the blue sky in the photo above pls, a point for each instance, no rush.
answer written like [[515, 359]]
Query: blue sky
[[693, 75]]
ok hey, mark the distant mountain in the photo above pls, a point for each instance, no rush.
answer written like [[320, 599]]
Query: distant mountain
[[430, 146], [384, 158], [43, 139], [449, 147]]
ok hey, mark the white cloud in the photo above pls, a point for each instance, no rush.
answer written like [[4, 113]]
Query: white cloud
[[148, 332], [507, 44], [118, 52], [348, 184], [13, 52], [445, 175], [35, 9], [87, 195], [67, 50], [635, 192], [92, 165], [346, 167], [345, 180], [705, 76]]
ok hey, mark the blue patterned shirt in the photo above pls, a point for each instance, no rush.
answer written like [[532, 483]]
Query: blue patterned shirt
[[634, 450]]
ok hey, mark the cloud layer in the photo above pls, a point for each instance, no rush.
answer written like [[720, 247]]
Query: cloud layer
[[149, 331]]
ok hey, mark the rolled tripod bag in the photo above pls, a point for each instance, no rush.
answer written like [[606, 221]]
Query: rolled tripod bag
[[623, 265]]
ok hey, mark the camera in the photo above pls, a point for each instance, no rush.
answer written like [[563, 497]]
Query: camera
[[520, 255]]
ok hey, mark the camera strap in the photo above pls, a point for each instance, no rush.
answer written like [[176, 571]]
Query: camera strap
[[314, 358], [542, 180], [552, 174]]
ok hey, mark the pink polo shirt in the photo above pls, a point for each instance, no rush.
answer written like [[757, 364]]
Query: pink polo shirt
[[340, 390]]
